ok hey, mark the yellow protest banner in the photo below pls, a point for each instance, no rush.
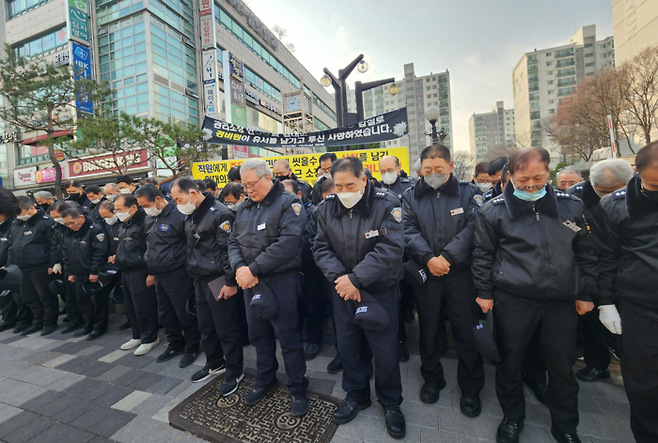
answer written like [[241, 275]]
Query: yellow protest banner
[[304, 166]]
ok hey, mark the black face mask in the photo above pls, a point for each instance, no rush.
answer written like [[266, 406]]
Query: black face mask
[[282, 177], [74, 196], [44, 206], [651, 195]]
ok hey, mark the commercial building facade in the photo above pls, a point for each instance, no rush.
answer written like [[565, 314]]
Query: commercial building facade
[[491, 129], [635, 24]]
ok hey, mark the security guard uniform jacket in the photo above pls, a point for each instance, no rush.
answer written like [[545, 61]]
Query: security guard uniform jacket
[[112, 232], [440, 222], [207, 231], [533, 250], [57, 243], [82, 200], [85, 251], [316, 194], [308, 236], [592, 214], [92, 209], [628, 250], [6, 229], [399, 186], [132, 243], [494, 192], [365, 243], [267, 235], [30, 244], [166, 242]]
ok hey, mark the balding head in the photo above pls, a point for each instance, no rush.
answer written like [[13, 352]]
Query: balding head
[[282, 169]]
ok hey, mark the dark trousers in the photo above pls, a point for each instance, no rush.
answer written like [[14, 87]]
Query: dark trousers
[[141, 305], [23, 312], [71, 300], [220, 332], [94, 308], [459, 295], [595, 346], [534, 366], [314, 302], [173, 290], [516, 324], [406, 305], [242, 317], [285, 327], [36, 294], [639, 368], [8, 309], [352, 343]]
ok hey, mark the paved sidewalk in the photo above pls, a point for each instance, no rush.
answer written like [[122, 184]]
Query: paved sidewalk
[[60, 389]]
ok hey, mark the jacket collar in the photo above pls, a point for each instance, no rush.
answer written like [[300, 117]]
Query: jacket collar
[[85, 227], [137, 219], [451, 186], [206, 204], [637, 204], [589, 195], [36, 217], [275, 192], [517, 207], [363, 207], [170, 206]]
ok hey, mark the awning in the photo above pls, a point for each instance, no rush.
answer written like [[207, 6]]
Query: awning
[[38, 138]]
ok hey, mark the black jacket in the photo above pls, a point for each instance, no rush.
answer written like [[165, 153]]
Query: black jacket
[[440, 222], [132, 243], [57, 244], [92, 209], [113, 233], [628, 250], [207, 231], [166, 242], [6, 229], [399, 186], [82, 200], [85, 250], [530, 251], [30, 244], [316, 195], [494, 192], [267, 236], [592, 214], [308, 237], [365, 242]]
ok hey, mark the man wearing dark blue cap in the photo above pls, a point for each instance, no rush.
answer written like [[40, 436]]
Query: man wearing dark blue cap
[[359, 246]]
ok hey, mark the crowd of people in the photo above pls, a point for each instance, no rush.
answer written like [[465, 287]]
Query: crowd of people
[[269, 257]]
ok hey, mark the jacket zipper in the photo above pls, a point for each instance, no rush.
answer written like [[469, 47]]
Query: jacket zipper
[[534, 208]]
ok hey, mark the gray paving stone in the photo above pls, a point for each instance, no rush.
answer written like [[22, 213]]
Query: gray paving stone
[[61, 432], [29, 430], [112, 396], [165, 385], [129, 377], [320, 385], [65, 382], [146, 381], [102, 421], [64, 402], [8, 412], [137, 362], [16, 422], [114, 373], [15, 393], [456, 422], [38, 403], [73, 411]]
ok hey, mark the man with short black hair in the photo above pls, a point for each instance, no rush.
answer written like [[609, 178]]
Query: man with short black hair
[[95, 196], [76, 193], [234, 174], [326, 160], [481, 177], [495, 171], [126, 184], [165, 260]]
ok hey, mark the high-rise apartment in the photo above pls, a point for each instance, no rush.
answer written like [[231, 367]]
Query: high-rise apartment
[[634, 26], [543, 78], [491, 129]]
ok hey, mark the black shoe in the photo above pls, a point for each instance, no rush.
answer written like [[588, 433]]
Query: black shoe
[[470, 405], [410, 317], [188, 359], [348, 409], [258, 393], [4, 326], [82, 332], [48, 329], [312, 350], [71, 327], [169, 353], [93, 335], [299, 404], [229, 386], [395, 425], [21, 327], [429, 392], [508, 431], [592, 374], [540, 390], [66, 319], [403, 352], [335, 365], [206, 372], [124, 326], [564, 438], [32, 329]]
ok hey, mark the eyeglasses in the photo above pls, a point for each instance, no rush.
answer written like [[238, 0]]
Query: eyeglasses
[[251, 185], [531, 187]]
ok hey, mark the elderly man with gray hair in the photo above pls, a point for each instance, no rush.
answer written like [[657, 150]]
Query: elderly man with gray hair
[[111, 191], [44, 200], [264, 251], [568, 177], [604, 178]]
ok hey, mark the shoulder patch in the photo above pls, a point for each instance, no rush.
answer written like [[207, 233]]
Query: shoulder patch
[[562, 194], [297, 208], [498, 200], [330, 197], [618, 195], [380, 194], [226, 226], [478, 199], [100, 237], [212, 209], [397, 214]]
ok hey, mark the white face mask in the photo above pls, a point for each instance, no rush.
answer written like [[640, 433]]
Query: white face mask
[[349, 199], [111, 197], [112, 220], [389, 177], [60, 220], [152, 211], [125, 191], [435, 180], [484, 187], [96, 201], [326, 175], [233, 206], [123, 216], [24, 217], [187, 208]]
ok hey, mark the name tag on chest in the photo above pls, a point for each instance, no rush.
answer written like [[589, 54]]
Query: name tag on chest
[[456, 211], [371, 234], [261, 226], [571, 225]]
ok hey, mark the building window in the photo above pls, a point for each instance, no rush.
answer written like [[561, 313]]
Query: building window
[[549, 63], [548, 54], [550, 82], [551, 92], [262, 85], [549, 72], [44, 43], [18, 7]]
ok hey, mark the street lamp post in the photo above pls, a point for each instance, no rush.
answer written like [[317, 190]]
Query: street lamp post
[[360, 87], [432, 115], [340, 86]]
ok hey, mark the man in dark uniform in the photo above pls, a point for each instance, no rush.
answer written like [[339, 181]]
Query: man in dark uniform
[[84, 255], [530, 262], [326, 160], [44, 200], [264, 247], [390, 169], [605, 177], [282, 171], [628, 272], [9, 209], [207, 228], [359, 246], [30, 251], [126, 184], [438, 222], [495, 170], [76, 193], [165, 260], [95, 196], [139, 298]]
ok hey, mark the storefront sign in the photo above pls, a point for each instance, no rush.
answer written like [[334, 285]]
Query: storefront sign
[[210, 90], [251, 97], [10, 137], [206, 23], [240, 152], [62, 59], [78, 20], [25, 176], [82, 69], [269, 106], [47, 175], [234, 94], [106, 164]]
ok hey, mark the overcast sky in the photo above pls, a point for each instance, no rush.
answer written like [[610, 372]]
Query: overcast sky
[[478, 41]]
